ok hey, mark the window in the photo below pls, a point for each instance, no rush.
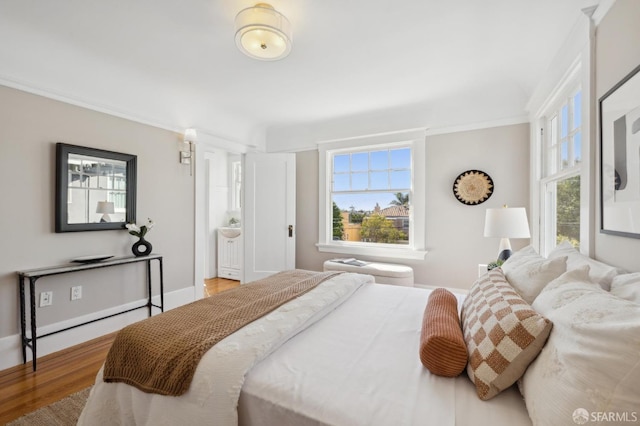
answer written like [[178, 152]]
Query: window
[[236, 185], [562, 153], [370, 195], [372, 198]]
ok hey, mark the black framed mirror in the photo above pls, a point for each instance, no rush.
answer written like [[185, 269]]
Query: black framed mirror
[[95, 189]]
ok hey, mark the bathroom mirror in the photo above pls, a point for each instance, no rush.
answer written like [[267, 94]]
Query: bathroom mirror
[[95, 189]]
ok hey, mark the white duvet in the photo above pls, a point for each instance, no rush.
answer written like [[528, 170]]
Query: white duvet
[[343, 354], [360, 366], [213, 396]]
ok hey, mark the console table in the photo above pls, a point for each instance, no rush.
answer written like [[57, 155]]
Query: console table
[[34, 274]]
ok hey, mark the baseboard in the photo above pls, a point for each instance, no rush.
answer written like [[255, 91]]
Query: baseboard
[[11, 348]]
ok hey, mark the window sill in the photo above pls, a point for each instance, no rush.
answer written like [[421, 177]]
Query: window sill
[[384, 252]]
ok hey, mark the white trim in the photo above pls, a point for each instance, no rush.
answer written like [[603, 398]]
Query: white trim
[[568, 83], [399, 137], [413, 138], [107, 109], [562, 64], [602, 10], [203, 135], [405, 133], [573, 64], [11, 350], [378, 252], [478, 126]]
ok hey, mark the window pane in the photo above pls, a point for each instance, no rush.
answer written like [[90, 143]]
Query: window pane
[[564, 152], [370, 196], [401, 179], [552, 151], [553, 139], [379, 180], [564, 121], [577, 110], [371, 218], [359, 181], [341, 163], [360, 161], [341, 182], [401, 158], [577, 147], [380, 160], [568, 211]]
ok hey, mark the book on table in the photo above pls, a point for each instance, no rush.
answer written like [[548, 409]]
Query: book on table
[[351, 261]]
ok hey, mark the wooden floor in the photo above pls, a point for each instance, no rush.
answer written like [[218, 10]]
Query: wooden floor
[[65, 372], [216, 285]]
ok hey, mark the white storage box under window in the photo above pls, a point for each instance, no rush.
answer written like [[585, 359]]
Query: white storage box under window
[[384, 273]]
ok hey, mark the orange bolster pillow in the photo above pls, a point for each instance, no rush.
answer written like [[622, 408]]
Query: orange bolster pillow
[[442, 347]]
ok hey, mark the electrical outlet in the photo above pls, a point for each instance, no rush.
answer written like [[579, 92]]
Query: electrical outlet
[[76, 292], [46, 298]]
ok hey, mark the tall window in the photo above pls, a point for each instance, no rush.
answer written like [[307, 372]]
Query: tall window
[[371, 194], [562, 135]]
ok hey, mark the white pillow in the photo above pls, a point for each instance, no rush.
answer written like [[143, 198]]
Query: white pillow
[[528, 272], [590, 364], [600, 273], [627, 286]]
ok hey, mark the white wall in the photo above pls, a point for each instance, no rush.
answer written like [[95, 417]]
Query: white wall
[[30, 126], [617, 54], [454, 231]]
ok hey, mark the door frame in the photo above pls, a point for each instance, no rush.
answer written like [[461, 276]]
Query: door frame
[[206, 143]]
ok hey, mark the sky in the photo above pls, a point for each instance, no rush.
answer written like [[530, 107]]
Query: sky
[[376, 175]]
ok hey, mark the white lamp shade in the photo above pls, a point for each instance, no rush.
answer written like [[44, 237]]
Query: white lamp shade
[[263, 33], [190, 135], [506, 222], [105, 207]]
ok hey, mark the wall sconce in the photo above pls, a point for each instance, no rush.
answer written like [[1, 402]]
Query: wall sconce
[[188, 156], [106, 208]]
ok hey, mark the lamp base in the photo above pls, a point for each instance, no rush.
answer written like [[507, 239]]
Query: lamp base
[[504, 255], [504, 251], [105, 218]]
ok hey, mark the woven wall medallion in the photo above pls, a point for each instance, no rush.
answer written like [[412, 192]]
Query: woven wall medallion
[[473, 187]]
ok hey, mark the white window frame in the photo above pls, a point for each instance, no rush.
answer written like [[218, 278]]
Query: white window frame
[[572, 82], [235, 179], [416, 248]]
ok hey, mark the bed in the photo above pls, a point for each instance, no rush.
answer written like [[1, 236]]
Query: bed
[[346, 353]]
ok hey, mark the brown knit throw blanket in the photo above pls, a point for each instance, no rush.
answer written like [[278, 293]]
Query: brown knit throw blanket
[[161, 353]]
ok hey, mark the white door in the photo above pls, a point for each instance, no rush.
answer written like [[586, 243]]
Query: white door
[[269, 211]]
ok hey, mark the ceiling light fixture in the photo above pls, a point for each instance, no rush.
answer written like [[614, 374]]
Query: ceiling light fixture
[[263, 33]]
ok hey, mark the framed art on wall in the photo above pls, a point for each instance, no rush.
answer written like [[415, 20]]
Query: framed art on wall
[[473, 187], [620, 158]]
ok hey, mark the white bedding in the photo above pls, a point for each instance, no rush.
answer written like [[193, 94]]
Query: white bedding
[[358, 365], [213, 395]]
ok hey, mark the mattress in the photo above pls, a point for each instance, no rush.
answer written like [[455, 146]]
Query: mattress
[[360, 366]]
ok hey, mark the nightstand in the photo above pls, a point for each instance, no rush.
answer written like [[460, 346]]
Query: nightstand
[[482, 269]]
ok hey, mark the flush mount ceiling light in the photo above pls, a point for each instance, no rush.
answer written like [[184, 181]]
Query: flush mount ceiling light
[[263, 33]]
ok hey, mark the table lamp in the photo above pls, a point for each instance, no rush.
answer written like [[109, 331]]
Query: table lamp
[[106, 208], [505, 223]]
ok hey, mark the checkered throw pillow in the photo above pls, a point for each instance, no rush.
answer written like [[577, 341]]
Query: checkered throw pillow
[[502, 332]]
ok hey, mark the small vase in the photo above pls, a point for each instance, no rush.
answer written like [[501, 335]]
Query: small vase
[[141, 248]]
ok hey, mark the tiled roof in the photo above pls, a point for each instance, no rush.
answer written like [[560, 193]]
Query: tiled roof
[[395, 211]]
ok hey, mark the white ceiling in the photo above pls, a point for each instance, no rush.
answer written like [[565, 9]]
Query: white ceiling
[[175, 64]]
